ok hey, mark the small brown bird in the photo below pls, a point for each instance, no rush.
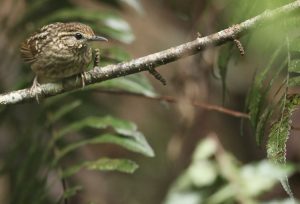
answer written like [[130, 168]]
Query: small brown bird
[[59, 50]]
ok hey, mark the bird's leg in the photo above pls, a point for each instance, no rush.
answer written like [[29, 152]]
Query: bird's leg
[[95, 64], [34, 89], [83, 78], [96, 58]]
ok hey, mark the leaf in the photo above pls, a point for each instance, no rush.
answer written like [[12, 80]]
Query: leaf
[[294, 63], [106, 23], [70, 192], [284, 201], [254, 179], [223, 194], [103, 164], [294, 81], [40, 8], [118, 125], [126, 135], [134, 83], [63, 111], [295, 43], [114, 54], [256, 99], [205, 149], [257, 96], [276, 146], [188, 197], [228, 181], [54, 99], [202, 173], [137, 144], [117, 28], [257, 178], [135, 4], [31, 161], [262, 123], [294, 66], [223, 60]]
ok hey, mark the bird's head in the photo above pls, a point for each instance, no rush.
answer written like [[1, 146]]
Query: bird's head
[[77, 35]]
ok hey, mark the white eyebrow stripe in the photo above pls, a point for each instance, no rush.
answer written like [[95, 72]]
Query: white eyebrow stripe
[[66, 33]]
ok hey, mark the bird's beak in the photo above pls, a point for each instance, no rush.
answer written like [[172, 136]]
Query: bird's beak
[[97, 38]]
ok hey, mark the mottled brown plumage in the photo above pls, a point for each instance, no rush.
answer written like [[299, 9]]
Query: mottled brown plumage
[[59, 50]]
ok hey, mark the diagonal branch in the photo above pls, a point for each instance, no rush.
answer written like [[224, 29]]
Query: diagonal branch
[[154, 60], [170, 99]]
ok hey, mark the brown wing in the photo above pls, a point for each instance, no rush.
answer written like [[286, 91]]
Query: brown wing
[[28, 51], [29, 48]]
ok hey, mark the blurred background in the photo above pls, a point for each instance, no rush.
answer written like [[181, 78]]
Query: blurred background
[[201, 156]]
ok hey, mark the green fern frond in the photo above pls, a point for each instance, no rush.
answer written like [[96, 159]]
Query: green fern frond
[[102, 164], [279, 132], [258, 93]]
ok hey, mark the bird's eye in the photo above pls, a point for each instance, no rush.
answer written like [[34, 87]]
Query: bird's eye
[[78, 36]]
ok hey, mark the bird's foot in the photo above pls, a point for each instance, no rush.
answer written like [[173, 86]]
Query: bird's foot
[[83, 75], [83, 78], [35, 89]]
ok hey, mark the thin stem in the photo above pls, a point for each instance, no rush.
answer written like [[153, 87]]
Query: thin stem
[[170, 99]]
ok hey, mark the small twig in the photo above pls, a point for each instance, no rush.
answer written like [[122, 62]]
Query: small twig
[[64, 185], [171, 99], [295, 128], [157, 76], [222, 110], [239, 46], [97, 57]]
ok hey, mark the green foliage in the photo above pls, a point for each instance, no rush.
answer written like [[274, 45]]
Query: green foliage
[[98, 130], [23, 166], [135, 4], [103, 164], [243, 9], [64, 124], [133, 83], [126, 135], [269, 104], [223, 60], [294, 66], [215, 176], [53, 117], [70, 192], [105, 23], [114, 54], [45, 155], [69, 124], [280, 108], [261, 109], [279, 131], [113, 130]]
